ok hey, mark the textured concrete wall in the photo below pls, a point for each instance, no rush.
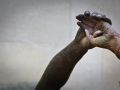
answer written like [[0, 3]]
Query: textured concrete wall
[[33, 31]]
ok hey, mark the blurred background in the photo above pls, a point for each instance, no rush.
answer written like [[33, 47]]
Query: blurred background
[[33, 31]]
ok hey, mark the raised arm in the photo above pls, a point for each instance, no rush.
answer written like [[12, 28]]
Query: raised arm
[[60, 67]]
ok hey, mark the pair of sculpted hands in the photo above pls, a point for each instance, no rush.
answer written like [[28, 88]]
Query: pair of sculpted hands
[[96, 31]]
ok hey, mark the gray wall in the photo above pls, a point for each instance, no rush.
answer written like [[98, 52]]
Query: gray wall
[[33, 31]]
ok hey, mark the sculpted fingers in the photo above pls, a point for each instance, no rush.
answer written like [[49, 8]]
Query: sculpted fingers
[[93, 17]]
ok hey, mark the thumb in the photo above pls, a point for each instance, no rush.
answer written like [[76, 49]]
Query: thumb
[[80, 33], [99, 39]]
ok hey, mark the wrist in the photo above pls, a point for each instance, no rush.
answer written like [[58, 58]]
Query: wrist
[[84, 44], [115, 46], [114, 37]]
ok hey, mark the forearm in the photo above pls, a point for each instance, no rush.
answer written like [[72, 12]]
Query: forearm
[[116, 46], [60, 67], [114, 39]]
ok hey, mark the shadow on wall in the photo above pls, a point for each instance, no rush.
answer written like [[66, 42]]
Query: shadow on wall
[[20, 86]]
